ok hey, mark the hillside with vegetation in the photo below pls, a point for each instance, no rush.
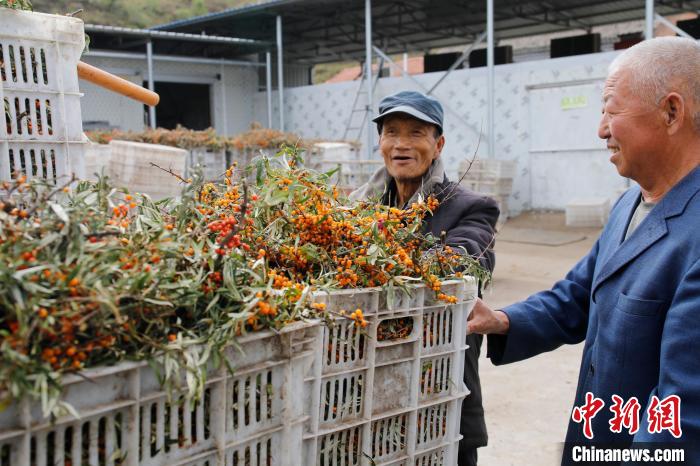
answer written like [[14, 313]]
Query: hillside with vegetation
[[135, 13]]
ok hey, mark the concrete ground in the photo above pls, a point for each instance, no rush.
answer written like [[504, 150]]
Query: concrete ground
[[528, 403]]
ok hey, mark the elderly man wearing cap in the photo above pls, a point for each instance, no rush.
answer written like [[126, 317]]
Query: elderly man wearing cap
[[410, 141]]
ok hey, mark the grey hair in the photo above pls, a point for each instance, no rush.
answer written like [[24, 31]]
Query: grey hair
[[662, 65]]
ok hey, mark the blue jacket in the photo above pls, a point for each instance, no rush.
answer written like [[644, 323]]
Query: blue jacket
[[637, 305]]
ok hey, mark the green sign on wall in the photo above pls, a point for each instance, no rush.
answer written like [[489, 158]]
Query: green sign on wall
[[571, 102]]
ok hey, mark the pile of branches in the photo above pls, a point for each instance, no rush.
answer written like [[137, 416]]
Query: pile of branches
[[255, 138]]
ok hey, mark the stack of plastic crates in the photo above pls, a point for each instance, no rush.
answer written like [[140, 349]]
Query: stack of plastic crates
[[42, 134], [493, 178], [391, 393], [212, 163], [587, 212], [348, 175], [252, 416]]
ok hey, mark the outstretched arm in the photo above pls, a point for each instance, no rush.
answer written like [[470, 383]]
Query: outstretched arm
[[542, 322]]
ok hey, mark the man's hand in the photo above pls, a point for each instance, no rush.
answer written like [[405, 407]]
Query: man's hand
[[484, 320]]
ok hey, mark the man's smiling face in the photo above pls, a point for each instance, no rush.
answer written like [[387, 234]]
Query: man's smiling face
[[631, 126], [408, 146]]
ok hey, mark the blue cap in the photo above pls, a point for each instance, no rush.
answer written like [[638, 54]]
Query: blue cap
[[415, 104]]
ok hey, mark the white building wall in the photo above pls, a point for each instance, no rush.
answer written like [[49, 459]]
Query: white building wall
[[99, 104], [232, 92], [547, 115]]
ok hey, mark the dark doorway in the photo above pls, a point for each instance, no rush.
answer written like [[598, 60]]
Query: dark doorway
[[183, 104]]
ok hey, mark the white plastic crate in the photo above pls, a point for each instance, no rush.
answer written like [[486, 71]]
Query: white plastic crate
[[212, 163], [349, 174], [498, 191], [97, 157], [338, 151], [488, 168], [489, 186], [393, 401], [253, 416], [41, 135], [592, 212], [131, 166], [244, 157]]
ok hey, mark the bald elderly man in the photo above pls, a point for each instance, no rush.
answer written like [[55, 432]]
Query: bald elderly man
[[635, 298]]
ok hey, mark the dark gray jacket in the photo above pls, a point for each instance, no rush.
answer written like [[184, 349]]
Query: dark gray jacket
[[468, 219]]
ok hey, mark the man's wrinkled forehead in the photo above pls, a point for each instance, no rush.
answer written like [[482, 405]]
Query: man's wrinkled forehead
[[612, 83]]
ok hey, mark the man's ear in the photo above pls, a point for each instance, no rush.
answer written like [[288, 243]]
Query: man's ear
[[673, 110], [440, 145]]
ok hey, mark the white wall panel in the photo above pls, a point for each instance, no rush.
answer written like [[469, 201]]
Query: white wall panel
[[322, 111], [556, 148]]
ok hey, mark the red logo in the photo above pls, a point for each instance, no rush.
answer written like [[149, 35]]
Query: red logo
[[587, 412], [665, 415], [662, 415], [625, 415]]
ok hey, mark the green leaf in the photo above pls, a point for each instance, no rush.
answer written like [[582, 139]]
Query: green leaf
[[277, 197], [311, 252], [60, 212], [19, 275], [158, 302], [259, 171]]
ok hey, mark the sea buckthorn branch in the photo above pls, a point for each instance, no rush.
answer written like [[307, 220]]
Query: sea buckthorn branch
[[100, 275]]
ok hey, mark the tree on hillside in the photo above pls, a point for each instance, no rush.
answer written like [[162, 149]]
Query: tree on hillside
[[135, 13]]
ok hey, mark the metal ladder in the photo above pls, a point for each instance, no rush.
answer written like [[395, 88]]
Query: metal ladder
[[360, 106]]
